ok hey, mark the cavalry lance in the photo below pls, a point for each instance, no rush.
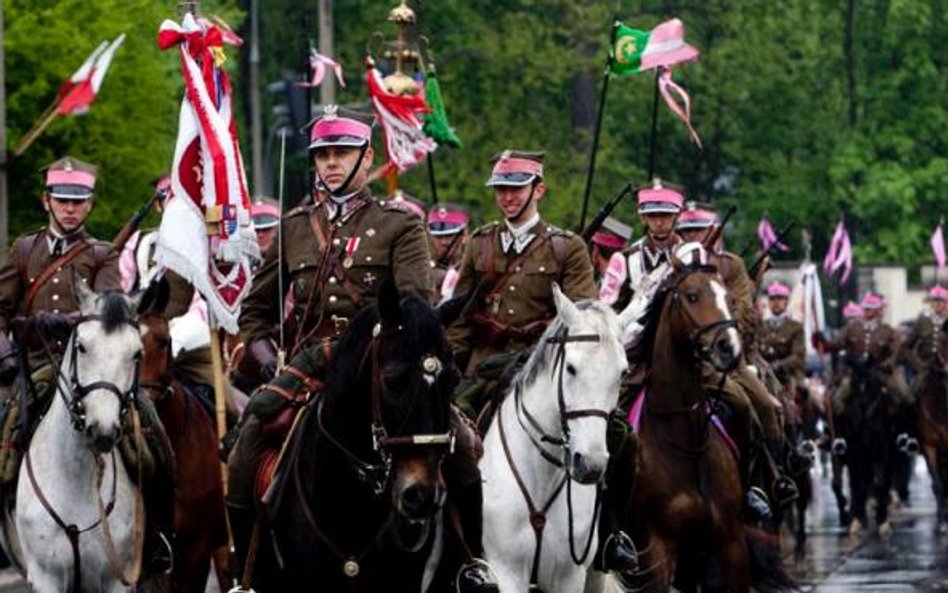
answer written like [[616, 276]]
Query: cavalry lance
[[604, 213], [755, 267], [134, 222]]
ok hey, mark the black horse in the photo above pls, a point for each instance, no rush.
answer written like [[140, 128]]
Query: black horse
[[868, 423], [362, 488]]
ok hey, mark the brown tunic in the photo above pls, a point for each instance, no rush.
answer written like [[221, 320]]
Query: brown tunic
[[877, 346], [783, 345], [332, 270], [520, 306], [97, 265]]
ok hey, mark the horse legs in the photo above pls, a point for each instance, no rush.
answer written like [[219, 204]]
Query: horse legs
[[836, 482], [859, 482], [882, 473]]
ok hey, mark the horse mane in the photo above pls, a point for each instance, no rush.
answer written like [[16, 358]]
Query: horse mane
[[542, 352], [115, 311], [653, 314], [419, 324]]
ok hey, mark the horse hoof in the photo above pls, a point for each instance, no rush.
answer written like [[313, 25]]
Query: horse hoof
[[855, 528], [885, 530]]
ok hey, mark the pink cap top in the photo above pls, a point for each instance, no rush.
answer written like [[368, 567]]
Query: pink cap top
[[660, 199], [938, 293], [696, 218], [778, 290], [852, 310], [608, 240], [666, 46], [339, 127], [515, 165], [70, 177], [444, 220], [265, 216], [872, 301]]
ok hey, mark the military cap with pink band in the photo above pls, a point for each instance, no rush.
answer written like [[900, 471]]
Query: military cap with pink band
[[872, 301], [70, 179], [696, 216], [659, 199], [938, 293], [447, 219], [516, 168], [778, 290], [340, 126]]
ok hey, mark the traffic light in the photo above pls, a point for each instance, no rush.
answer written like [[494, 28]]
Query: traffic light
[[291, 110]]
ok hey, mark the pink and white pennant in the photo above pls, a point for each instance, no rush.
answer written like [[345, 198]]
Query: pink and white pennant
[[319, 63], [82, 88], [840, 254]]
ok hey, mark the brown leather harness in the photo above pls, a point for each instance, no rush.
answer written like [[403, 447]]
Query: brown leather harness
[[538, 518]]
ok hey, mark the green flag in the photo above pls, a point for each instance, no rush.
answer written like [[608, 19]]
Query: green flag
[[436, 123], [627, 50]]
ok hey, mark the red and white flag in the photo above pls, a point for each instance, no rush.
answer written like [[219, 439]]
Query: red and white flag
[[318, 62], [206, 234], [938, 246], [400, 117], [840, 254], [78, 93]]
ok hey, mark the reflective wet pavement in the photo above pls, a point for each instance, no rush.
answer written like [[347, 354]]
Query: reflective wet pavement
[[914, 559]]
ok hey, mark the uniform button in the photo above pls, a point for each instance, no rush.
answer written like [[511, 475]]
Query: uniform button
[[332, 280], [513, 288], [32, 280], [510, 311], [336, 241], [381, 202], [55, 280], [517, 269], [368, 258], [55, 310], [542, 269], [333, 298], [55, 297]]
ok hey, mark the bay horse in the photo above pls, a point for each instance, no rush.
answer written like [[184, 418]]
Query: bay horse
[[362, 485], [78, 520], [687, 496], [200, 522], [933, 425], [545, 451]]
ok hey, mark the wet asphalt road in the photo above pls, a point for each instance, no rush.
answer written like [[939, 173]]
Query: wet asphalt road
[[914, 559]]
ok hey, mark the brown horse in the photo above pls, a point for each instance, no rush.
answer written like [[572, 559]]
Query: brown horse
[[687, 497], [199, 513], [933, 426]]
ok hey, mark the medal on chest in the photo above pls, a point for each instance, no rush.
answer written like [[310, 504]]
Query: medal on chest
[[352, 243]]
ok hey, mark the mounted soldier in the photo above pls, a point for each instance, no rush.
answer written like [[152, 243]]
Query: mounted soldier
[[447, 230], [782, 343], [336, 254], [39, 305], [266, 221], [924, 348]]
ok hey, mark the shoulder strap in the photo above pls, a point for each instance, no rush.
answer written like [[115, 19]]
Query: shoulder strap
[[515, 263], [560, 245], [51, 269], [487, 251], [100, 253]]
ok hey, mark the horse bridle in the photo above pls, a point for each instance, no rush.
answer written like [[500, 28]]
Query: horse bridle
[[698, 330], [538, 515], [77, 390]]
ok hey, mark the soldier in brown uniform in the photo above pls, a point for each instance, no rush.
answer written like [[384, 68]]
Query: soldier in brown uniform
[[783, 345], [37, 280], [512, 265], [447, 228], [336, 254]]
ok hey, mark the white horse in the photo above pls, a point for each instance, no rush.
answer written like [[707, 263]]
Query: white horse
[[77, 512], [545, 451]]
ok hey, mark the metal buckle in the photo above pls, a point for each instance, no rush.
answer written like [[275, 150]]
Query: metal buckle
[[339, 324]]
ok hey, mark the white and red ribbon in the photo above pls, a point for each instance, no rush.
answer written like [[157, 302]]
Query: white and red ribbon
[[840, 254], [77, 94], [318, 62], [669, 89], [400, 117]]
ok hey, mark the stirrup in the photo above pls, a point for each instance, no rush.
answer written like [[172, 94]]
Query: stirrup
[[240, 589], [620, 538], [839, 447]]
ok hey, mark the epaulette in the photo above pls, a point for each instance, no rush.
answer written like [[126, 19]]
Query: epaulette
[[482, 230], [306, 208], [555, 230], [392, 206]]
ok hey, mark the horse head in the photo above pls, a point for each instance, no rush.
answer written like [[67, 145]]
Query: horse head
[[155, 371], [696, 301], [403, 355], [102, 365]]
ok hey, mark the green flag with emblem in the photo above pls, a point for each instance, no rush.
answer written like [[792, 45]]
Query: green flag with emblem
[[436, 124], [627, 50]]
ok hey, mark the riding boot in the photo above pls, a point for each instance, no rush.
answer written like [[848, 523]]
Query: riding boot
[[158, 491], [616, 551], [466, 507], [242, 520]]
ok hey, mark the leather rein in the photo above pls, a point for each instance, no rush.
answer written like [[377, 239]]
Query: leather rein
[[377, 475], [540, 439], [76, 410]]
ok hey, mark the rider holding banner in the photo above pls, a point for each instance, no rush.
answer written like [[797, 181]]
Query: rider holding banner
[[333, 257]]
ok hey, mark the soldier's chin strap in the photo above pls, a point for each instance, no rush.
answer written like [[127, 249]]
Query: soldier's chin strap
[[339, 194], [515, 217]]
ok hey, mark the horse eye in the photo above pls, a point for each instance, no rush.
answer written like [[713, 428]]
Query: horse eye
[[692, 297], [81, 347], [571, 369], [137, 356]]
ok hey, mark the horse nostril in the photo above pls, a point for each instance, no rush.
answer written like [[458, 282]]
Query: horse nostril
[[583, 472], [103, 443], [418, 500]]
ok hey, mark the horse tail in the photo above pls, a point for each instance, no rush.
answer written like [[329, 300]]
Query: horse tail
[[766, 563]]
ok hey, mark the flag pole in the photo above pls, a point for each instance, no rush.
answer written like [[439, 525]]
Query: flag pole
[[653, 138], [591, 168], [37, 129], [431, 179]]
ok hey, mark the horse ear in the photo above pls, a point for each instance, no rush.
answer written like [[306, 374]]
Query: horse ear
[[86, 295], [450, 310], [565, 307], [154, 298], [390, 310]]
